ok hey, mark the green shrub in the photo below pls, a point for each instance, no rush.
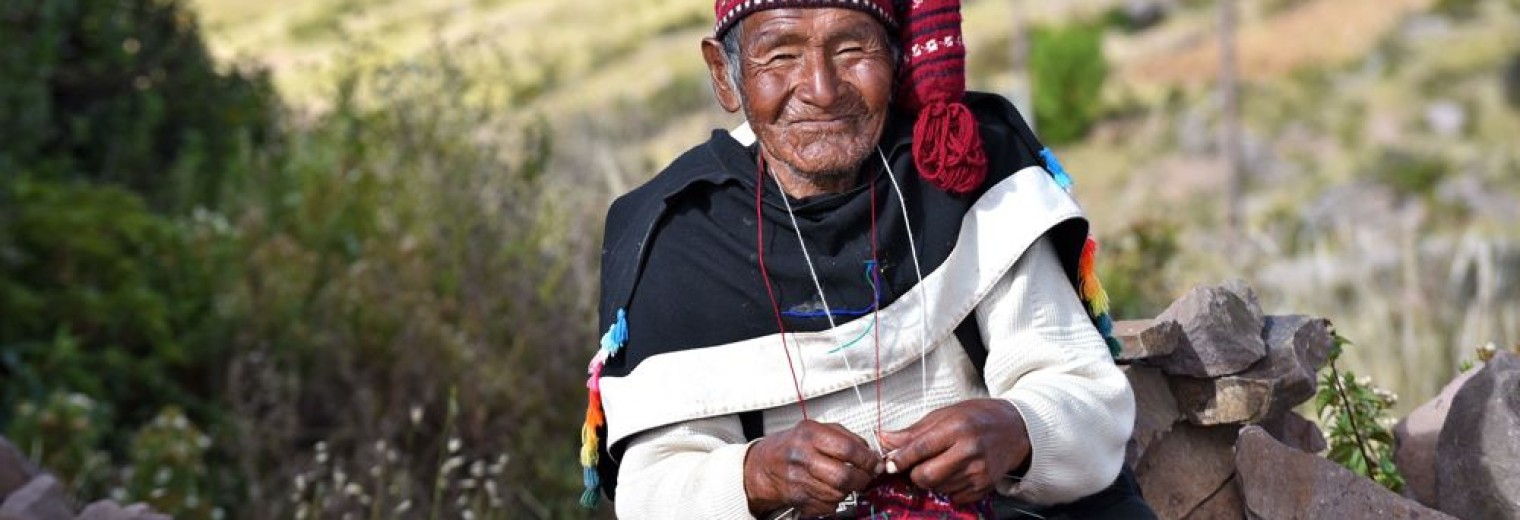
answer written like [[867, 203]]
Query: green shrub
[[1409, 173], [63, 432], [168, 468], [1068, 70], [1132, 265], [124, 91], [1511, 82]]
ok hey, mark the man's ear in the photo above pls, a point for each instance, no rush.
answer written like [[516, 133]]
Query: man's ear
[[717, 68]]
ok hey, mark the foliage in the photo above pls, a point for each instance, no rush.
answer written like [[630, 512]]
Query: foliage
[[1457, 8], [1356, 412], [1410, 174], [1133, 264], [102, 297], [125, 92], [168, 468], [1068, 70], [63, 432], [1511, 82], [373, 255]]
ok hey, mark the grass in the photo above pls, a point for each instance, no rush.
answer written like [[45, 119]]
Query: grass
[[623, 88]]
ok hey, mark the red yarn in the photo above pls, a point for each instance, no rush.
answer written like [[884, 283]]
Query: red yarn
[[947, 148]]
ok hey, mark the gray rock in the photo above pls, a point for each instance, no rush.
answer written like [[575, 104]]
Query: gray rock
[[1227, 400], [1155, 410], [1296, 432], [110, 510], [1478, 451], [15, 469], [1148, 339], [1246, 294], [1415, 440], [40, 499], [1226, 503], [1281, 482], [1185, 468], [1296, 346], [1223, 332]]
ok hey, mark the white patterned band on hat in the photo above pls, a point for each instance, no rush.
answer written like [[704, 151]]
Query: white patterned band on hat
[[738, 9]]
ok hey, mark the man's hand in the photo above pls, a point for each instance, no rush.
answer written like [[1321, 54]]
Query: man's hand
[[811, 467], [962, 450]]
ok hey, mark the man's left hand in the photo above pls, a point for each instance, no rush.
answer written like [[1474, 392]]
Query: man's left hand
[[962, 450]]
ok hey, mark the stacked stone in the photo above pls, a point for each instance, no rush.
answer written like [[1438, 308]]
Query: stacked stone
[[1216, 381], [28, 493]]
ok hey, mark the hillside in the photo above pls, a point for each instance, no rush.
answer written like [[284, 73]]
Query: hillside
[[1345, 102]]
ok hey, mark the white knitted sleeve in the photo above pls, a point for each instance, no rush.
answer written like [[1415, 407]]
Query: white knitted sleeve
[[1046, 357], [690, 470]]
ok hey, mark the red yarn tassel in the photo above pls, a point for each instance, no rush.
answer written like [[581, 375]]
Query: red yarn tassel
[[947, 148]]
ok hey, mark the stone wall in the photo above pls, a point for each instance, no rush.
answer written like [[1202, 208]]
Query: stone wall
[[1216, 436]]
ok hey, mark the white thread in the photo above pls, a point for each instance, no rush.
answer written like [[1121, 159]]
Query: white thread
[[923, 333], [817, 284]]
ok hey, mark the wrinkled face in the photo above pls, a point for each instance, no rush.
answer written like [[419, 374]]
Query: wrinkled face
[[815, 85]]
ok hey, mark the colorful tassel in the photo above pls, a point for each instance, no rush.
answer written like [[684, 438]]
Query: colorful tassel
[[612, 342], [1056, 169], [1089, 288]]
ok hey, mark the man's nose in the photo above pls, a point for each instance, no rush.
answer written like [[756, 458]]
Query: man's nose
[[820, 82]]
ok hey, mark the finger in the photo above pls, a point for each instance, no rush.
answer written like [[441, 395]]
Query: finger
[[923, 447], [842, 477], [938, 473], [821, 499], [843, 445]]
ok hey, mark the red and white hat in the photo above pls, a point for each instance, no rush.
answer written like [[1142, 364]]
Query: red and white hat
[[947, 147]]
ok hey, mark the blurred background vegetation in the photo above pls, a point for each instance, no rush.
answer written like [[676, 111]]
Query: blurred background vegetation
[[338, 257]]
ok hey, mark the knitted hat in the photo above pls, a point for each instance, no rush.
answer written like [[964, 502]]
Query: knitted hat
[[947, 147]]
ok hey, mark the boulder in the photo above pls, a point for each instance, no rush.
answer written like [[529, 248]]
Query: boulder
[[1415, 439], [1296, 347], [110, 510], [1223, 334], [1280, 482], [1225, 504], [1246, 294], [1478, 450], [1155, 410], [41, 499], [1227, 400], [1147, 339], [1296, 432], [1185, 468], [15, 469]]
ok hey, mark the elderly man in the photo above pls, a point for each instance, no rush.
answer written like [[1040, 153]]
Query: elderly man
[[865, 300]]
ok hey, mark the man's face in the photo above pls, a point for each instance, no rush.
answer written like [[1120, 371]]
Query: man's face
[[815, 85]]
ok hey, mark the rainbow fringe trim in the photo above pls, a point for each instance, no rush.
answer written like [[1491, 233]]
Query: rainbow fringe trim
[[612, 342], [1090, 289]]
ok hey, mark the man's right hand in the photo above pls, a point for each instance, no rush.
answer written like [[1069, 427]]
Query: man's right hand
[[812, 467]]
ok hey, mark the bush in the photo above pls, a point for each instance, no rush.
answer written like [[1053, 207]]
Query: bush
[[1068, 70], [1511, 82], [1132, 265], [124, 91]]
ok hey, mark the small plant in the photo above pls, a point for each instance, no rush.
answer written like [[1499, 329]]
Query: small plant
[[1355, 412], [169, 467], [62, 432], [1068, 70]]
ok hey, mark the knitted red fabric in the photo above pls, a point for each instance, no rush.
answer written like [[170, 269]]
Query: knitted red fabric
[[947, 146]]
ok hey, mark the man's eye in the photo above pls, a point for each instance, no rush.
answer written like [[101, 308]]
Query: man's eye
[[780, 57], [851, 50]]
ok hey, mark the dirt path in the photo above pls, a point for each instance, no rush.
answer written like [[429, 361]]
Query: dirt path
[[1319, 32]]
